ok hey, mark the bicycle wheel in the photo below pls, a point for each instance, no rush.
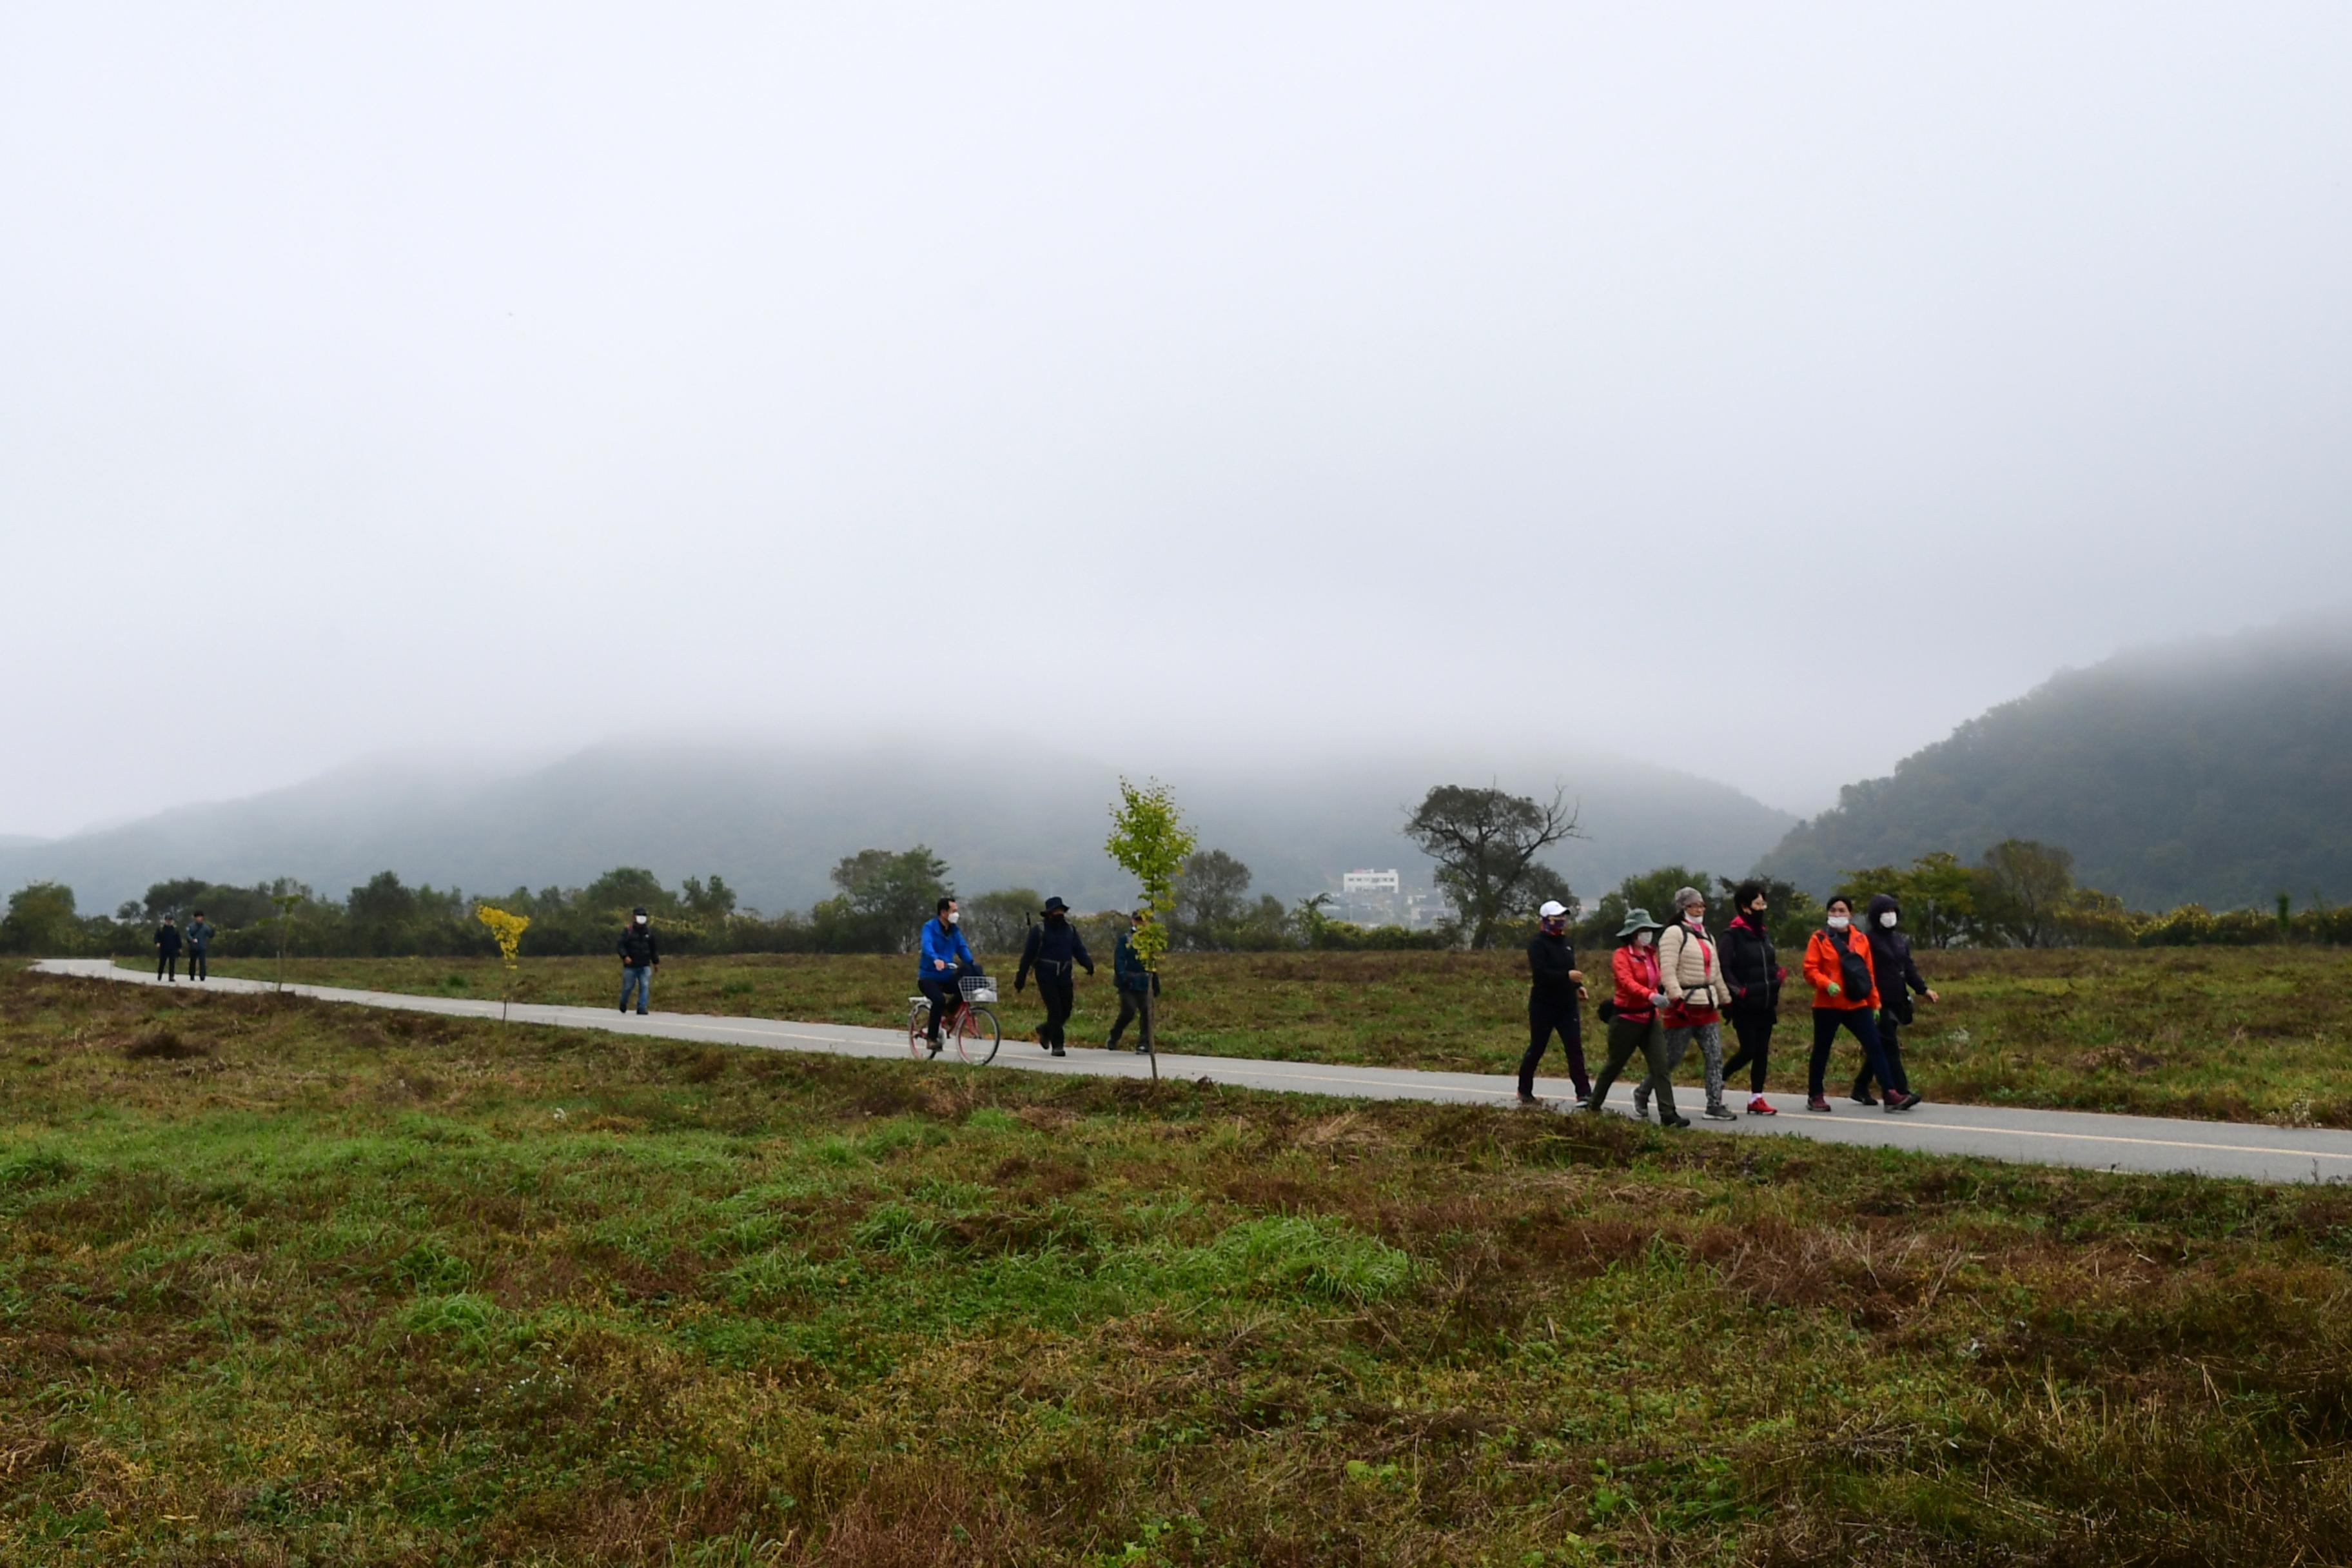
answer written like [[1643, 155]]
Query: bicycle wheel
[[977, 1036], [919, 1030]]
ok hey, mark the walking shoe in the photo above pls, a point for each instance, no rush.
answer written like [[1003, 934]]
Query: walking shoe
[[1641, 1104], [1584, 1102], [1760, 1106], [1533, 1102], [935, 1047], [1815, 1102], [1673, 1121], [1901, 1102], [1143, 1050], [1060, 1052], [1864, 1097], [1720, 1113]]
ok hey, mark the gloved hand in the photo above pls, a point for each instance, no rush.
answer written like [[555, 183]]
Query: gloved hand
[[1835, 989], [1658, 998], [1020, 985]]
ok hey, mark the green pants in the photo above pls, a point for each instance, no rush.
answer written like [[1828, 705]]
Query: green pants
[[1650, 1039]]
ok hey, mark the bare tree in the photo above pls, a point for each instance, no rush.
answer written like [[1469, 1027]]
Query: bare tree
[[1486, 843]]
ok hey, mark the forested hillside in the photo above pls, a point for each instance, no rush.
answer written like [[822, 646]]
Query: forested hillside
[[2217, 772]]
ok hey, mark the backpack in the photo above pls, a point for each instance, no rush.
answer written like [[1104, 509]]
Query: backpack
[[1855, 968]]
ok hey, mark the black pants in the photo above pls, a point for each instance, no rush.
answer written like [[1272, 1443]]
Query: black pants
[[1131, 1005], [1060, 994], [1890, 1048], [167, 964], [1755, 1052], [945, 989], [196, 965], [1546, 1016], [1859, 1022]]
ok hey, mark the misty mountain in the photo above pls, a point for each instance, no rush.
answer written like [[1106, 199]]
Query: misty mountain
[[773, 820], [2216, 772]]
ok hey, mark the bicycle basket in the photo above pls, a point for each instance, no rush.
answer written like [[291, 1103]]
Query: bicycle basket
[[979, 988]]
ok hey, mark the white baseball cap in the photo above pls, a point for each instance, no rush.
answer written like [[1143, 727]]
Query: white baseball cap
[[1553, 908]]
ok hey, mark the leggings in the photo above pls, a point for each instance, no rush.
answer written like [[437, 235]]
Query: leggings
[[1546, 1016], [1862, 1026], [1755, 1051], [1711, 1050]]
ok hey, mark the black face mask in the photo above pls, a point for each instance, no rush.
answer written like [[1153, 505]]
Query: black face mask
[[1053, 917]]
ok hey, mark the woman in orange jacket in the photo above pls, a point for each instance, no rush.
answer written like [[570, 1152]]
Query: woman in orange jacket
[[1845, 995]]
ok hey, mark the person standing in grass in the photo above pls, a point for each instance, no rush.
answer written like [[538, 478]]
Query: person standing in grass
[[1845, 996], [1134, 982], [1054, 946], [1555, 995], [200, 941], [1754, 973], [640, 957], [1634, 1023], [1899, 981], [1690, 971], [167, 950]]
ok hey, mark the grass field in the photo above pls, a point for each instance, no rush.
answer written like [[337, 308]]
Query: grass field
[[2230, 1034], [286, 1283]]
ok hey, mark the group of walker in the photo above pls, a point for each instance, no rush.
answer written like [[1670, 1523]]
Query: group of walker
[[1675, 983]]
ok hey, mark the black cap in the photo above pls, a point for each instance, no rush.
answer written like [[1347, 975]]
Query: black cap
[[638, 910], [1055, 906]]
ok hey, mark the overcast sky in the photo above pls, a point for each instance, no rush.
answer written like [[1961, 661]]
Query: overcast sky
[[1756, 390]]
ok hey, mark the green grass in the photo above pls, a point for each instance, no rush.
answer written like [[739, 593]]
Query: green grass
[[287, 1283], [2252, 1034]]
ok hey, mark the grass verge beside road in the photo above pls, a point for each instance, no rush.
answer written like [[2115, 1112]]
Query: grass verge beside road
[[2240, 1035], [286, 1282]]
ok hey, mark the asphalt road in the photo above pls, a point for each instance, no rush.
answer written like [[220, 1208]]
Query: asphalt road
[[2249, 1151]]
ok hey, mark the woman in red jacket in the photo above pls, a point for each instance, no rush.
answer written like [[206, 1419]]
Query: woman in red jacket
[[1845, 995], [1633, 1023]]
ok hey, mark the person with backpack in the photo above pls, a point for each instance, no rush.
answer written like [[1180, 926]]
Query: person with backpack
[[200, 941], [1633, 1015], [167, 950], [640, 957], [1555, 994], [1137, 985], [1690, 971], [1899, 981], [1845, 996], [1754, 973], [1054, 945]]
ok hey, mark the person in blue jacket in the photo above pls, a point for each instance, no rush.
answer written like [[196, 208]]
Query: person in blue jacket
[[200, 942], [1136, 983], [946, 960]]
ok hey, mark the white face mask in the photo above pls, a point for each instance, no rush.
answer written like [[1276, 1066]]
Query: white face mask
[[1839, 923], [1641, 939], [641, 919], [954, 915], [1695, 916], [1887, 920]]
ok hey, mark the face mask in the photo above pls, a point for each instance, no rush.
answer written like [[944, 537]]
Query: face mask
[[1756, 917], [1887, 920], [1641, 939], [1695, 916], [641, 919], [954, 915], [1839, 923], [1554, 927]]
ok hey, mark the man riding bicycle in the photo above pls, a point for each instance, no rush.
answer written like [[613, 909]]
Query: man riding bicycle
[[946, 961]]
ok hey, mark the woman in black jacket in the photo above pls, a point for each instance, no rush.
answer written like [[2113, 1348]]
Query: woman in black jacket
[[1899, 981], [1754, 973]]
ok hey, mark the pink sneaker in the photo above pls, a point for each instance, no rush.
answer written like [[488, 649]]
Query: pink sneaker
[[1760, 1106]]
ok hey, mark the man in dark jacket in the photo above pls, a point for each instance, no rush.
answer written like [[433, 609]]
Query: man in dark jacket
[[1898, 980], [1054, 945], [200, 940], [1137, 985], [1555, 990], [640, 957], [167, 950], [1754, 973]]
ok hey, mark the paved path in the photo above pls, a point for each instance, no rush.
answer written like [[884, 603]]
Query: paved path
[[2054, 1137]]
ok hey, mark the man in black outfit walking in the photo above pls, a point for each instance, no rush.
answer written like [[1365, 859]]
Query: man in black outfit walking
[[1052, 947], [1555, 989], [167, 950], [640, 957]]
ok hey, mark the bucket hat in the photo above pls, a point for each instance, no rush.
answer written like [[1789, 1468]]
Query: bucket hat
[[1637, 920]]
